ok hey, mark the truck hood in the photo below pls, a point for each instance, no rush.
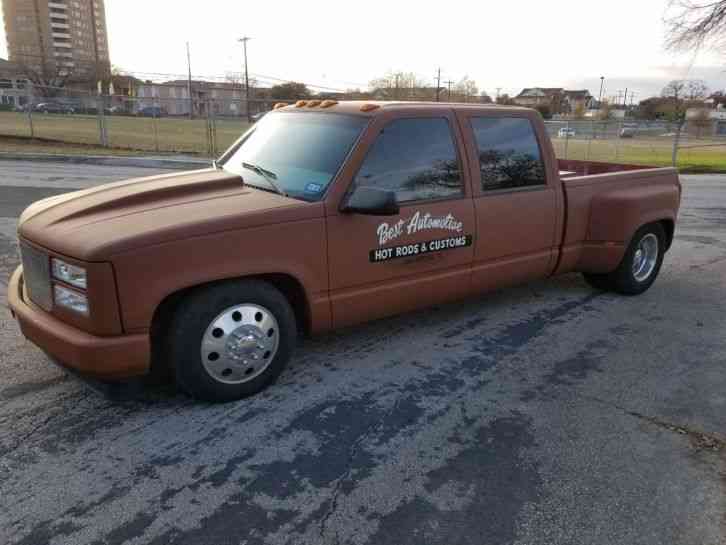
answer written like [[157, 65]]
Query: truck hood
[[97, 223]]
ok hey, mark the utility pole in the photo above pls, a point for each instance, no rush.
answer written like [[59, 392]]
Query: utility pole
[[244, 41], [625, 99], [438, 84], [396, 95], [448, 83], [602, 82], [189, 83]]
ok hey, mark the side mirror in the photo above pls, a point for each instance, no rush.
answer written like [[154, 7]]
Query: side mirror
[[373, 202]]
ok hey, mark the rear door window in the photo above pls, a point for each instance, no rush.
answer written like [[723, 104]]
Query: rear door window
[[509, 155]]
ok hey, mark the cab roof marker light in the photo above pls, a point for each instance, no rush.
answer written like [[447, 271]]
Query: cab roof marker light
[[279, 105], [300, 103], [313, 103], [328, 103], [369, 107]]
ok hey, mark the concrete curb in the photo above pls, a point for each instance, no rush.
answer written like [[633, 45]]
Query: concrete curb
[[181, 163]]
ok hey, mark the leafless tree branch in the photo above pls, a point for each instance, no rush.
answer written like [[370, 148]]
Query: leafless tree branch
[[694, 24]]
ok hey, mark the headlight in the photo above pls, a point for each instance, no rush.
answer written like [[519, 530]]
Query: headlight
[[70, 274], [70, 299]]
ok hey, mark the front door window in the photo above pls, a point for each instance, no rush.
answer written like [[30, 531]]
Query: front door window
[[414, 158]]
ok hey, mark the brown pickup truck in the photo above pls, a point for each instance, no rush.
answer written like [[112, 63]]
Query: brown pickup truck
[[323, 215]]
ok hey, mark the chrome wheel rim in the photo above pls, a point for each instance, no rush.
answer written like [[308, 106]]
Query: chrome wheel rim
[[645, 258], [240, 343]]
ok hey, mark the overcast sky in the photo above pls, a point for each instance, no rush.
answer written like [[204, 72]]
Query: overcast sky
[[343, 44]]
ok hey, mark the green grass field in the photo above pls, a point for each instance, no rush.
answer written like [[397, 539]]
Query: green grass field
[[191, 136], [135, 133], [693, 156]]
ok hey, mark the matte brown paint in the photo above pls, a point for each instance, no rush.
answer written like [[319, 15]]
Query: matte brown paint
[[146, 239]]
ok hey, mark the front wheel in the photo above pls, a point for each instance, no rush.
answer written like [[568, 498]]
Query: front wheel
[[231, 340], [640, 265]]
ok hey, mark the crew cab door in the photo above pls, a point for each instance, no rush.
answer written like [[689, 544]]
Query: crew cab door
[[517, 198], [383, 265]]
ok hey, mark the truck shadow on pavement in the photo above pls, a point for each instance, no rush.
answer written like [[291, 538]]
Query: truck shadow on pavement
[[455, 324]]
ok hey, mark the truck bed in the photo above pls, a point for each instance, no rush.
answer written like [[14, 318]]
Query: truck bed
[[605, 204], [570, 168]]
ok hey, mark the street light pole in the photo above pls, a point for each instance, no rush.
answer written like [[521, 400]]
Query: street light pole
[[244, 41], [189, 83]]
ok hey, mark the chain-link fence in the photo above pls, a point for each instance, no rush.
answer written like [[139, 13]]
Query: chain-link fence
[[208, 123], [695, 144], [202, 126]]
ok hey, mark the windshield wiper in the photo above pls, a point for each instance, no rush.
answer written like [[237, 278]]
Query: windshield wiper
[[268, 175]]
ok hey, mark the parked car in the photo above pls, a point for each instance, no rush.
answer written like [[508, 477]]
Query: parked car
[[53, 108], [152, 111], [117, 110], [324, 216], [566, 132], [628, 132]]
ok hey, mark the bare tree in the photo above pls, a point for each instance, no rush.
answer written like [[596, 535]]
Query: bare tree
[[47, 81], [466, 88], [237, 79], [397, 84], [692, 24], [485, 98], [505, 100], [696, 89], [679, 91]]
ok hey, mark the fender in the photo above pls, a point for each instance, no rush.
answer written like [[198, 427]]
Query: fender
[[616, 215], [147, 276]]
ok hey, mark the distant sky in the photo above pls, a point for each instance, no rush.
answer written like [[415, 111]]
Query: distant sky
[[344, 44]]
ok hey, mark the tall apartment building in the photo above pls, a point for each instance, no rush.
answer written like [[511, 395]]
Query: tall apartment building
[[58, 41]]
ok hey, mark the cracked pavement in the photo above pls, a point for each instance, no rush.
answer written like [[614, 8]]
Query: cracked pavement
[[547, 413]]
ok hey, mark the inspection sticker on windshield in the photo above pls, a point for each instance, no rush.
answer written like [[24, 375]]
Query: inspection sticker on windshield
[[419, 248], [313, 188]]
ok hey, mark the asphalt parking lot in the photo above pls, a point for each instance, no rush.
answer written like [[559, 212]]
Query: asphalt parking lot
[[546, 414]]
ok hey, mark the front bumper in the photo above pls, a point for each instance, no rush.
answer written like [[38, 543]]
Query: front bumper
[[116, 357]]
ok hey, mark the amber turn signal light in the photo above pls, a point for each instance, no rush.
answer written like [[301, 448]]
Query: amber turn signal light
[[300, 103]]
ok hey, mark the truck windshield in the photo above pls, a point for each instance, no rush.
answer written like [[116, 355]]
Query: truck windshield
[[301, 152]]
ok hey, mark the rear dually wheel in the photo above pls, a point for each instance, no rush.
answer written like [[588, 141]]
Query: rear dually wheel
[[640, 265]]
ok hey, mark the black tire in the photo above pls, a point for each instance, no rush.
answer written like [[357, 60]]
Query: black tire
[[623, 279], [195, 314]]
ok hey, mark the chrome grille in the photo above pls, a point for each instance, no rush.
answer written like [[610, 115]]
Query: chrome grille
[[36, 275]]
